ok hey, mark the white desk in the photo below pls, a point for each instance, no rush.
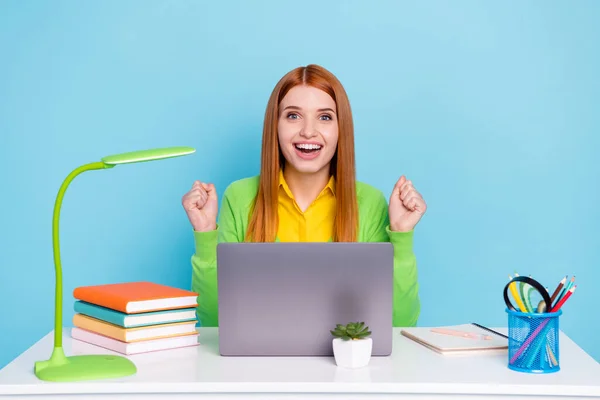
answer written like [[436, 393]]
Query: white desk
[[412, 371]]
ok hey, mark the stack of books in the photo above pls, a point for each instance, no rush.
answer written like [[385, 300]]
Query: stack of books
[[135, 317]]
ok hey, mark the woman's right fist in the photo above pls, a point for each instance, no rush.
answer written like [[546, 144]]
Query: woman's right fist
[[201, 206]]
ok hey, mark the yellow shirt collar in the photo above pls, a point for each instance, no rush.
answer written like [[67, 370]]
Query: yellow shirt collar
[[283, 184]]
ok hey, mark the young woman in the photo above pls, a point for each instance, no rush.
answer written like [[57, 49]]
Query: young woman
[[306, 191]]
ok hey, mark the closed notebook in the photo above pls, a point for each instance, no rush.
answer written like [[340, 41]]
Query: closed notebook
[[134, 347], [134, 320], [136, 297], [133, 334], [449, 344]]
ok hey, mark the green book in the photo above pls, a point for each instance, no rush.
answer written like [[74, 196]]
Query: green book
[[134, 320]]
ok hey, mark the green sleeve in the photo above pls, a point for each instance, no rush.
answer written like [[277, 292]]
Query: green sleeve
[[407, 305], [204, 262]]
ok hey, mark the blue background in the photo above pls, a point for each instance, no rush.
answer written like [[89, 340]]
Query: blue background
[[491, 108]]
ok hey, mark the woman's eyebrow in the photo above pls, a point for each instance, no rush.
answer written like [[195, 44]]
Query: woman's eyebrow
[[319, 110], [326, 109]]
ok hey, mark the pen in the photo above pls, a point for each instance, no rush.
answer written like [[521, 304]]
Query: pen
[[468, 335]]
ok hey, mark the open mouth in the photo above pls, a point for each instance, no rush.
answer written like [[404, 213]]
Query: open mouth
[[308, 148]]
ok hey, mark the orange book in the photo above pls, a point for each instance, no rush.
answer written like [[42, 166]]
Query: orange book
[[129, 335], [136, 297]]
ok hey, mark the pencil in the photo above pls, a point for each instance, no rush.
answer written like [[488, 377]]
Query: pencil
[[565, 289], [570, 284], [560, 285], [541, 326], [513, 289], [522, 286], [563, 299], [489, 330]]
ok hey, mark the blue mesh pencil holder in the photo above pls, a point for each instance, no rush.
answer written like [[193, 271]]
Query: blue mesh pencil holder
[[533, 342]]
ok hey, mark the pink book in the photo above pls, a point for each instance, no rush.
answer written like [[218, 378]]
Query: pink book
[[134, 347]]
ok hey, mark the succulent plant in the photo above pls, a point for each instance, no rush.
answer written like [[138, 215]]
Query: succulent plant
[[352, 331]]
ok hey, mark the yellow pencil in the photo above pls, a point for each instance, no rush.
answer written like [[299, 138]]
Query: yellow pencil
[[515, 293]]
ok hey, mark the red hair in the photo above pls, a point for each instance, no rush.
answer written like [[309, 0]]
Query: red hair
[[264, 219]]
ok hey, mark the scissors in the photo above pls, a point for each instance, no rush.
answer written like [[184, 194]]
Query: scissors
[[525, 305]]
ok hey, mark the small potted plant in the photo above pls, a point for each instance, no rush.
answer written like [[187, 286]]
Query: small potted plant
[[351, 345]]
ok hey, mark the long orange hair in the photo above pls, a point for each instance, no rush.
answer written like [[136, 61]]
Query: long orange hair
[[264, 219]]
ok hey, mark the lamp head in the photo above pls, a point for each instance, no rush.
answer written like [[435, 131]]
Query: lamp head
[[146, 155]]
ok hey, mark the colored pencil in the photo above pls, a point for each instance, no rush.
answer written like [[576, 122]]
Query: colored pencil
[[513, 289], [560, 285], [489, 330], [541, 326], [571, 282], [564, 290], [563, 299]]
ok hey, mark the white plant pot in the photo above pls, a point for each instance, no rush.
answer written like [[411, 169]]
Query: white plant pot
[[352, 353]]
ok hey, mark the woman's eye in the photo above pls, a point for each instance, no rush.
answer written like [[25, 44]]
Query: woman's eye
[[326, 117], [292, 116]]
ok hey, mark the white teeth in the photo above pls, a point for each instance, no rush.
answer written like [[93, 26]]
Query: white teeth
[[308, 146]]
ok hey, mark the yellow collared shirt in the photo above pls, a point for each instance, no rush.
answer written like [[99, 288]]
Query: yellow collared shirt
[[313, 225]]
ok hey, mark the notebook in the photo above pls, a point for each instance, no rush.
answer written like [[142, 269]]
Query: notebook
[[133, 334], [450, 345], [134, 320], [134, 347], [136, 297]]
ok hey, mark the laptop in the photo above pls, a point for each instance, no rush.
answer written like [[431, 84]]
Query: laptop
[[283, 299]]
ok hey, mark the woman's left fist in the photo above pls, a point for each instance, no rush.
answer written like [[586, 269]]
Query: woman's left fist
[[406, 206]]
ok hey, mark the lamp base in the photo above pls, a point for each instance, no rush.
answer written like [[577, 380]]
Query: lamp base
[[60, 368]]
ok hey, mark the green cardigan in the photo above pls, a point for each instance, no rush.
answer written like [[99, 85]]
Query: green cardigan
[[373, 227]]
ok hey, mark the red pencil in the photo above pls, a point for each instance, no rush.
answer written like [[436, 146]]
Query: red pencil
[[564, 298]]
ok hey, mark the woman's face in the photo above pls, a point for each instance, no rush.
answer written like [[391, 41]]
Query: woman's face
[[307, 129]]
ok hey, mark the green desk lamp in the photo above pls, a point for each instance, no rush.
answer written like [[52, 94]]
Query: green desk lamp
[[60, 368]]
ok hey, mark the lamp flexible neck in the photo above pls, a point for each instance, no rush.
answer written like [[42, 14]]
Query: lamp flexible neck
[[56, 246]]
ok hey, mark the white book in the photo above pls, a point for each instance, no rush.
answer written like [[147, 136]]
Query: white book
[[448, 344], [133, 347]]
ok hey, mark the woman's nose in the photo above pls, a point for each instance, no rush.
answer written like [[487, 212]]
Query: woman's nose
[[309, 129]]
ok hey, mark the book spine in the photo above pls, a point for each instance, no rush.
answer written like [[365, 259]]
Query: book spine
[[101, 313], [91, 296]]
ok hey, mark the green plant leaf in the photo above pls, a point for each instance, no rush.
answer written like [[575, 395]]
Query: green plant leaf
[[352, 330], [337, 333]]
